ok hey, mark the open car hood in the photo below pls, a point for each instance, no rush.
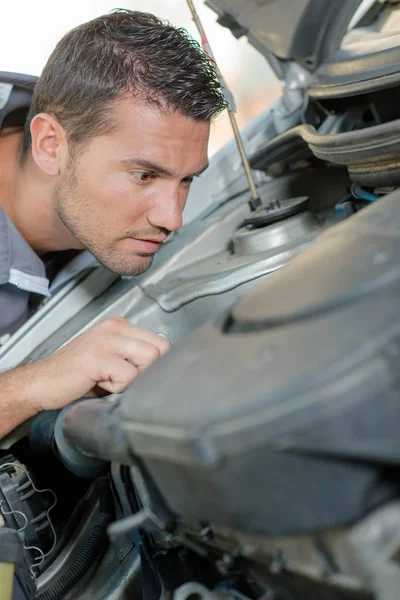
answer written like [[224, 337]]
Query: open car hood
[[307, 31], [344, 47]]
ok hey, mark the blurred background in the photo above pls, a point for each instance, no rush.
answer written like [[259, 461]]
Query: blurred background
[[31, 30]]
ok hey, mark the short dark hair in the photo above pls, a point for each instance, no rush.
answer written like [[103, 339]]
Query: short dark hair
[[123, 52]]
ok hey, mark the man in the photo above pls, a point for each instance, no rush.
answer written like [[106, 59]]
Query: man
[[117, 131]]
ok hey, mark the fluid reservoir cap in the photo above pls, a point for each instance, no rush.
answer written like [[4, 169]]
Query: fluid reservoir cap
[[11, 545], [276, 211]]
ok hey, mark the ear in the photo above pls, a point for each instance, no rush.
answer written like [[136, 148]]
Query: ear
[[48, 143]]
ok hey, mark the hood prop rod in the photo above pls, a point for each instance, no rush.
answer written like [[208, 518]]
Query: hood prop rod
[[255, 202]]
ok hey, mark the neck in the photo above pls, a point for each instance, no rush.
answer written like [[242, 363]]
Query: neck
[[27, 196]]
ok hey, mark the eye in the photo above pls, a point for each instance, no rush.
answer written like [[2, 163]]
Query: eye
[[143, 176], [188, 180]]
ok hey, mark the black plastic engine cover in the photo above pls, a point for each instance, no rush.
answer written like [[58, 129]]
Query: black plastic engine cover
[[284, 416]]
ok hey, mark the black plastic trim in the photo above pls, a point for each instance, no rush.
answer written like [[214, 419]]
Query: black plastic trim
[[373, 152]]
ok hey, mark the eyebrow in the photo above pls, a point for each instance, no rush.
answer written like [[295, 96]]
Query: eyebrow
[[146, 164]]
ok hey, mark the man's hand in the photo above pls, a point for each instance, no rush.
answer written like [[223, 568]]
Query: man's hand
[[111, 356]]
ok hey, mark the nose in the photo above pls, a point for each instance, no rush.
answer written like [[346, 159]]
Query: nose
[[167, 209]]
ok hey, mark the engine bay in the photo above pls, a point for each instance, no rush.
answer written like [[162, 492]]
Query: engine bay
[[259, 458]]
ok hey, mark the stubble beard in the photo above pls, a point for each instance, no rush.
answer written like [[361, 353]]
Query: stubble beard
[[78, 219]]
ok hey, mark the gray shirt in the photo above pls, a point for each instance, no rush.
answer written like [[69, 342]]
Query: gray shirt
[[22, 273]]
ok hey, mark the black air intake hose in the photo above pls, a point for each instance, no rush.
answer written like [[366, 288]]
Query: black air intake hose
[[94, 547], [88, 434]]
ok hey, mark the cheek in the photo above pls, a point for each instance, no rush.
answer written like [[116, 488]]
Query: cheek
[[111, 192], [108, 188], [98, 181], [119, 204]]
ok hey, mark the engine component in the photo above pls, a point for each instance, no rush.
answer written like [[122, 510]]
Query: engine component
[[207, 446], [79, 463], [11, 550], [284, 226], [22, 505], [87, 436], [371, 155], [276, 211], [92, 545], [26, 509]]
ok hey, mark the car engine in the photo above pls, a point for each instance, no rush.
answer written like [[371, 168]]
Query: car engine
[[259, 458]]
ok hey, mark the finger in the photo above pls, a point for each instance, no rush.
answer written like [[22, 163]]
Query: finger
[[139, 353], [138, 333], [163, 343], [125, 328], [118, 376]]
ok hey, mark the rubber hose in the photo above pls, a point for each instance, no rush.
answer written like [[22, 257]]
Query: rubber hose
[[92, 549], [79, 567]]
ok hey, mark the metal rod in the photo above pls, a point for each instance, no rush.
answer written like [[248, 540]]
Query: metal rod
[[255, 201]]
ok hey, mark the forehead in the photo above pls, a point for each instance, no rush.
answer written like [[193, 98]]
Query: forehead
[[145, 131]]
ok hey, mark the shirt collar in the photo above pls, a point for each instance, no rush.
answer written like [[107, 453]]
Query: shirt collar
[[19, 264]]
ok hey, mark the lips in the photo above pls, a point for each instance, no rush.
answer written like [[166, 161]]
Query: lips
[[146, 246]]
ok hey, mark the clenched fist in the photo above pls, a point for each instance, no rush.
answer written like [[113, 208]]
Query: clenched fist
[[111, 355]]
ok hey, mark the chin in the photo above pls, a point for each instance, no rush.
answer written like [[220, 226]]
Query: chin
[[128, 266]]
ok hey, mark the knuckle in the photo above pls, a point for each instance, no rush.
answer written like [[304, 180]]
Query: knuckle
[[154, 353], [118, 388], [103, 328], [165, 345], [118, 320], [132, 376], [112, 323]]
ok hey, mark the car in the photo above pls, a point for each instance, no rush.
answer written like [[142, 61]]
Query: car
[[259, 458]]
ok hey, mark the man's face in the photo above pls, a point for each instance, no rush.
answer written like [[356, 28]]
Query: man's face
[[125, 191]]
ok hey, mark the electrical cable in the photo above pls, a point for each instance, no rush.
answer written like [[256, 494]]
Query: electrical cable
[[43, 555]]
